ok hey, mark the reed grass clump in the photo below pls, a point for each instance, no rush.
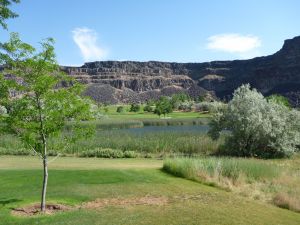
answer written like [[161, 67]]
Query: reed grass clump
[[215, 170], [271, 181]]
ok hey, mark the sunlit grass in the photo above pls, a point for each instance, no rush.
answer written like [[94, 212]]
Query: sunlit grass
[[73, 181], [269, 181]]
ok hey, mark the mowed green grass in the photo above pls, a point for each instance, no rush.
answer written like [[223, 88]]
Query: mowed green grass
[[174, 115], [112, 113], [75, 180]]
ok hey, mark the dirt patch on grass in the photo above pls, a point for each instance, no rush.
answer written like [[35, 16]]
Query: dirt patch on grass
[[147, 200], [32, 210]]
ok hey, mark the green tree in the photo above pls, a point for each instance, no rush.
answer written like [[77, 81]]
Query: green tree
[[200, 98], [176, 99], [106, 109], [37, 108], [5, 12], [257, 127], [149, 106], [120, 109], [163, 106], [135, 108], [279, 99]]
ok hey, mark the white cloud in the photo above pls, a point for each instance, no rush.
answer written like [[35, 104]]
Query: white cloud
[[87, 41], [234, 43]]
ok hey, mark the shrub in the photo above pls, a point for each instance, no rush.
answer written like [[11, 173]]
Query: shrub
[[21, 151], [185, 106], [211, 107], [179, 98], [88, 153], [109, 153], [258, 128], [120, 109], [3, 110], [103, 153], [202, 107], [148, 108], [279, 99], [106, 109], [52, 153], [130, 154], [135, 108], [163, 106]]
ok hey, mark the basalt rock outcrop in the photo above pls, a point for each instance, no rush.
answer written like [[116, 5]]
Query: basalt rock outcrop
[[128, 81], [114, 81]]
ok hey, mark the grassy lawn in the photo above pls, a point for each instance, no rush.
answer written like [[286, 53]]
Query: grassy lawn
[[111, 113], [173, 115], [75, 180]]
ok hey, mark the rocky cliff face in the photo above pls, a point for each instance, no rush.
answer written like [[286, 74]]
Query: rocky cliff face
[[114, 81]]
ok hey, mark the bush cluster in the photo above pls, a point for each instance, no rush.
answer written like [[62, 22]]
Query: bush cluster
[[257, 127], [135, 108], [120, 109], [20, 151], [108, 153]]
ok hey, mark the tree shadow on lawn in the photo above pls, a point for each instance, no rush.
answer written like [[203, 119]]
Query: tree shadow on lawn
[[4, 202]]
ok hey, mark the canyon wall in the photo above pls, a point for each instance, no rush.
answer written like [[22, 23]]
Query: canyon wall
[[129, 81]]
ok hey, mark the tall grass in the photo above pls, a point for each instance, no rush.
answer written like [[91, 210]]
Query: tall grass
[[107, 124], [269, 181], [215, 170], [136, 123], [154, 142], [187, 143]]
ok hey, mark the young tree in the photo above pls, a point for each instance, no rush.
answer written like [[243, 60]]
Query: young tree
[[36, 105], [179, 98], [149, 106], [135, 108], [257, 127], [5, 12], [163, 106], [120, 109]]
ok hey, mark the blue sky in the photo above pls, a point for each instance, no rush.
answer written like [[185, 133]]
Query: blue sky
[[165, 30]]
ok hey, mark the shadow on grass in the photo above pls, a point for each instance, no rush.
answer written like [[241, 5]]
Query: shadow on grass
[[4, 202], [203, 182]]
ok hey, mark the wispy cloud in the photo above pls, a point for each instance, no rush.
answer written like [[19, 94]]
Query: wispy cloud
[[87, 41], [243, 45]]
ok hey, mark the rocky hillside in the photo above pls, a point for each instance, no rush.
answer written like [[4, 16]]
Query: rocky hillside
[[127, 81]]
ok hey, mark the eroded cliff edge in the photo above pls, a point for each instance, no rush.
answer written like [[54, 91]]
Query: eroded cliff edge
[[129, 81]]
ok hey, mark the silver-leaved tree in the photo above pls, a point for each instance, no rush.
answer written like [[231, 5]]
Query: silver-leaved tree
[[34, 104], [257, 127]]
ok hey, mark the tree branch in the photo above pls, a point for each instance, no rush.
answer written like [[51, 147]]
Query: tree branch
[[54, 158]]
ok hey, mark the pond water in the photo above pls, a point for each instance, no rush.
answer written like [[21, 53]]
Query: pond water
[[179, 128]]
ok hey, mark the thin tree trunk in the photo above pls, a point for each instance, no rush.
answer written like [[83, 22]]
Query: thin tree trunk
[[45, 162], [45, 180]]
